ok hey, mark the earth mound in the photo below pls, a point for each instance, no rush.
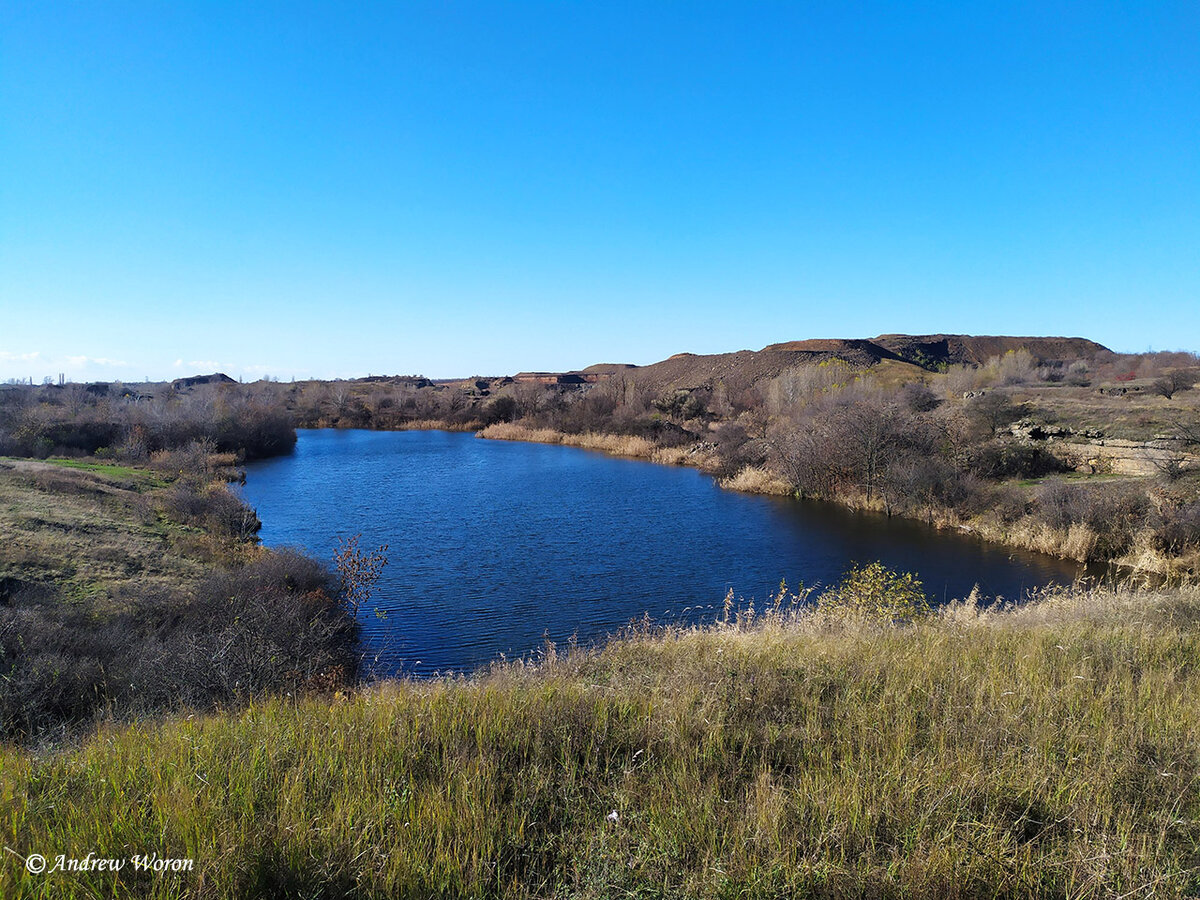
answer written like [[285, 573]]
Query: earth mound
[[743, 369], [934, 350]]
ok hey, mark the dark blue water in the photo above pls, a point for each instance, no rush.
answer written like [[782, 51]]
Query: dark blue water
[[495, 546]]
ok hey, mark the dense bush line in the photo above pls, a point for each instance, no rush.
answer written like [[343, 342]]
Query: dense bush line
[[272, 626], [111, 421]]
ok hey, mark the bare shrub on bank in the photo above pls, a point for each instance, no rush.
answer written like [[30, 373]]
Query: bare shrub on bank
[[272, 626], [358, 570]]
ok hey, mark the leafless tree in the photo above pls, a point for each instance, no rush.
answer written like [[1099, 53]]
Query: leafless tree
[[993, 410], [358, 570], [1173, 382]]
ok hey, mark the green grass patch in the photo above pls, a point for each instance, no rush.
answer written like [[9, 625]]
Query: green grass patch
[[111, 470]]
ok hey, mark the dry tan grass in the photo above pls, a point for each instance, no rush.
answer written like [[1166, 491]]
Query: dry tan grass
[[756, 480], [1047, 751], [671, 456], [616, 444], [509, 431], [435, 425]]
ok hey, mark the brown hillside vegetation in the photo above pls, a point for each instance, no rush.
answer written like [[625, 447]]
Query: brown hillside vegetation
[[933, 350], [741, 370]]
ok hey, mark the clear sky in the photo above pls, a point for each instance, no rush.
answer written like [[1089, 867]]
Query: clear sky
[[451, 188]]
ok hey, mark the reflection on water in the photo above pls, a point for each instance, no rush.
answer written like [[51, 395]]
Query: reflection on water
[[496, 546]]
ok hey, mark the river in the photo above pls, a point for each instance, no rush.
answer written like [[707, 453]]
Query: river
[[496, 546]]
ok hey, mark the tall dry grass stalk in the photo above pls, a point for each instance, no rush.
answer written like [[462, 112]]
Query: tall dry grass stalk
[[509, 431]]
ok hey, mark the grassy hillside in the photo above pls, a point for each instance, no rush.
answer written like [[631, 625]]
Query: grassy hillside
[[134, 589], [1049, 751], [93, 531]]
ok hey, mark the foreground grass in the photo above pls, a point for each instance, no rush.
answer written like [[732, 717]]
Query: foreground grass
[[1048, 751]]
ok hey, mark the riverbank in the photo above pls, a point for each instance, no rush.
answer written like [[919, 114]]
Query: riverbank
[[629, 446], [1012, 527], [129, 590], [1041, 751], [751, 479]]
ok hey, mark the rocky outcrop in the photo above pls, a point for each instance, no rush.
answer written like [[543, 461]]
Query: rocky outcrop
[[1120, 457], [1090, 451]]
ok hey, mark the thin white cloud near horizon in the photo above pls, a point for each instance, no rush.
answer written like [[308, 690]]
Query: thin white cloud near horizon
[[76, 366], [23, 366], [82, 361]]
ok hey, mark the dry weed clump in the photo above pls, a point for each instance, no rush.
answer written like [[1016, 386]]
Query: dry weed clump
[[756, 480], [434, 425], [508, 431], [671, 456], [616, 444]]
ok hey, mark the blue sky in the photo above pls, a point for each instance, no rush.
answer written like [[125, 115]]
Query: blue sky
[[337, 189]]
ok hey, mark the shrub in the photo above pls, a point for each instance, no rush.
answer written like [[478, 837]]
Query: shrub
[[1014, 367], [277, 624], [1008, 504], [211, 507], [999, 459], [358, 570], [502, 409], [1179, 528], [928, 482], [919, 397], [682, 404], [1112, 513], [1173, 382], [1078, 374], [736, 450], [993, 410], [877, 593]]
